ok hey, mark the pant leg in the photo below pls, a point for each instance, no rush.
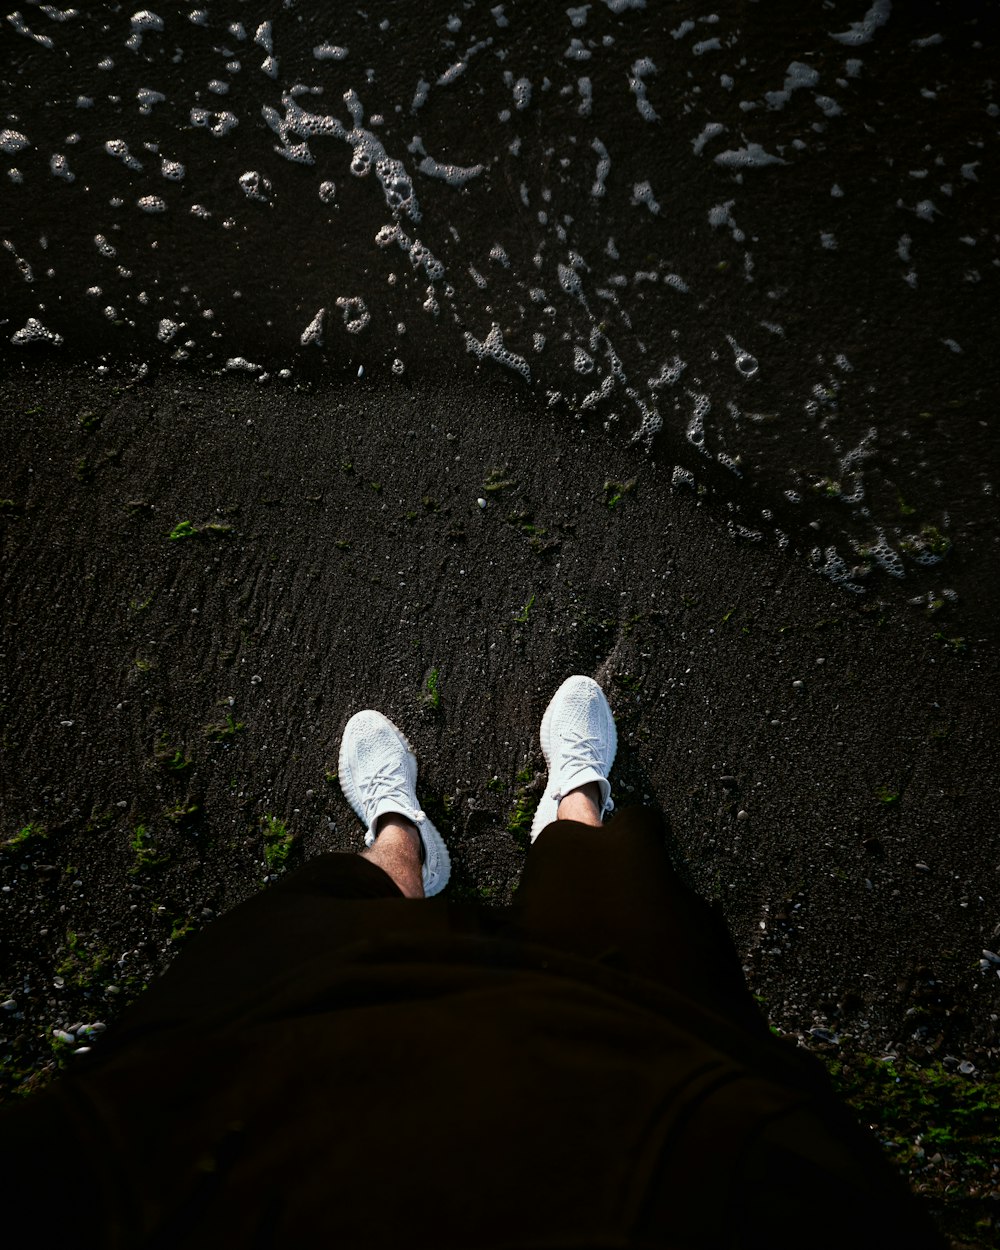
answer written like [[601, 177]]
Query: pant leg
[[611, 894], [324, 904]]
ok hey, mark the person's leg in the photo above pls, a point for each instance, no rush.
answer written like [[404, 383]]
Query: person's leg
[[610, 893], [582, 805], [397, 851], [332, 901], [326, 904], [378, 775]]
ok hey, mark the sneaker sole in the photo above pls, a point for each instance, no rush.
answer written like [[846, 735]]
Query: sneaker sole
[[435, 850]]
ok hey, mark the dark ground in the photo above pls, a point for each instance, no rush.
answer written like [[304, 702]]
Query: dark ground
[[826, 760]]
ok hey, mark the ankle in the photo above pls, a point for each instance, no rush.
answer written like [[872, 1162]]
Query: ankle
[[582, 804], [396, 830]]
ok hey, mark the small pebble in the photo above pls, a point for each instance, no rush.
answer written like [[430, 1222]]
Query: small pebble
[[990, 955], [967, 1067], [481, 502], [82, 1050], [63, 1036], [798, 685], [728, 782], [742, 815], [922, 867], [10, 1005]]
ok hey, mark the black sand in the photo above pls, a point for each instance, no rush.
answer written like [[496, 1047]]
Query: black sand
[[350, 565]]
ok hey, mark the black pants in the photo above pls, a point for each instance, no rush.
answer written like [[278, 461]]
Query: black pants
[[772, 1156], [608, 894]]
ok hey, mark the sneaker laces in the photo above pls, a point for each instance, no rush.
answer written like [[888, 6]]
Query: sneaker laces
[[388, 782], [581, 752]]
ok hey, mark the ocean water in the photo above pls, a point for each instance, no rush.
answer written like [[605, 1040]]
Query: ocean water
[[761, 242]]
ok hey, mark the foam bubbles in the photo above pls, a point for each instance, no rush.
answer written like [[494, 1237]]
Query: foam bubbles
[[152, 204], [173, 171], [454, 175], [642, 193], [218, 124], [34, 332], [797, 76], [832, 565], [709, 131], [640, 69], [864, 31], [356, 315], [721, 215], [603, 168], [59, 167], [12, 141], [166, 330], [141, 23], [569, 280], [695, 432], [492, 347], [746, 365], [330, 52], [751, 157], [583, 362], [147, 97], [119, 149], [669, 375], [255, 186], [887, 557], [522, 94], [22, 28], [23, 267], [312, 335]]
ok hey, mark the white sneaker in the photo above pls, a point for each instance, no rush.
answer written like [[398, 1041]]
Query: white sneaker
[[579, 741], [378, 774]]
